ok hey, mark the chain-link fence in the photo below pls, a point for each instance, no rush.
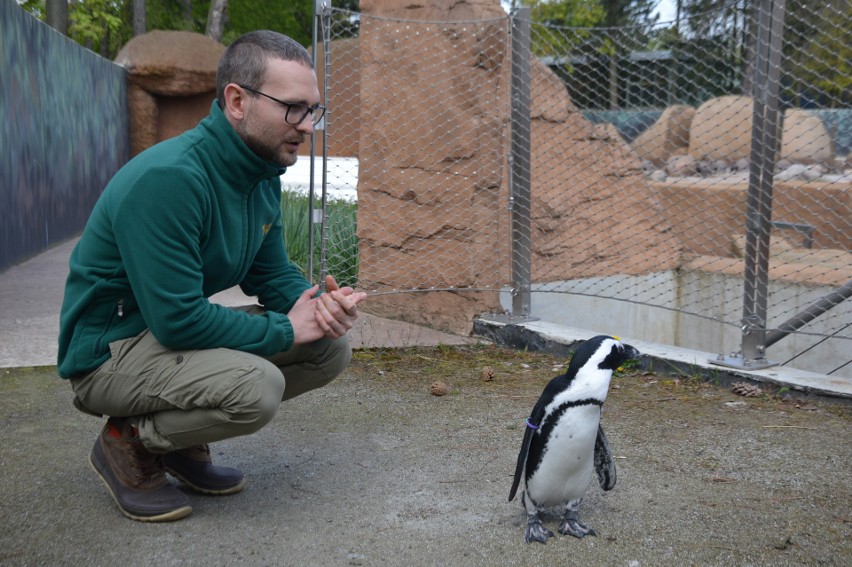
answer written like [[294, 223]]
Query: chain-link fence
[[685, 182]]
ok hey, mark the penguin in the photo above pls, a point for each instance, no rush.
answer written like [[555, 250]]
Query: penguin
[[564, 441]]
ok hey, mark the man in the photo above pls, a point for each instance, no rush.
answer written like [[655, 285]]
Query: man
[[140, 342]]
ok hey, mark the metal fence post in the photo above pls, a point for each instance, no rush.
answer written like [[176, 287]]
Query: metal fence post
[[765, 143], [317, 216], [519, 184]]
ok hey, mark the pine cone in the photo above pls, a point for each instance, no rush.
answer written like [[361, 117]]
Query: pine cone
[[746, 389], [487, 374], [439, 388]]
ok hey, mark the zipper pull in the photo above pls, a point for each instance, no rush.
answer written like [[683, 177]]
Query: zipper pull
[[121, 308]]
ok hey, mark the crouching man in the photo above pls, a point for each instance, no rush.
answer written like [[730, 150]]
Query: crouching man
[[139, 340]]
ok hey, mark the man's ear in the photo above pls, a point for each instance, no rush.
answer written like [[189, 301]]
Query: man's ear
[[235, 101]]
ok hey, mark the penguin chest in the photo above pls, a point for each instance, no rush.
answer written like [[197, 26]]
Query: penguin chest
[[567, 458]]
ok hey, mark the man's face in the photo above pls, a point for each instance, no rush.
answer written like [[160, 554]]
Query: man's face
[[264, 128]]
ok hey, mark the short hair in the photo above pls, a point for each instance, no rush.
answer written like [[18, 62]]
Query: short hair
[[244, 61]]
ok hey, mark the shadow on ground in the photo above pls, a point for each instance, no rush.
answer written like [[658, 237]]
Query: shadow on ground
[[374, 470]]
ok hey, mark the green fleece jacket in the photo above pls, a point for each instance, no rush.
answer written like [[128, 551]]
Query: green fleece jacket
[[183, 220]]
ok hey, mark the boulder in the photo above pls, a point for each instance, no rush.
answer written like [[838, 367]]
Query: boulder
[[805, 138], [668, 134], [171, 63], [721, 129], [682, 166], [171, 77]]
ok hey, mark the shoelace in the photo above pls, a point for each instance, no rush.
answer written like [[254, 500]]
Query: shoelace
[[146, 464], [197, 452]]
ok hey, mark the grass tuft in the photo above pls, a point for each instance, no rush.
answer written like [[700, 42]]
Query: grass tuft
[[341, 240]]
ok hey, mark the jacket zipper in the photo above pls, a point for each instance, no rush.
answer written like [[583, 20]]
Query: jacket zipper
[[119, 314]]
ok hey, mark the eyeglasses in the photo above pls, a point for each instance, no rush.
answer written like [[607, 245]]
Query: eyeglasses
[[296, 112]]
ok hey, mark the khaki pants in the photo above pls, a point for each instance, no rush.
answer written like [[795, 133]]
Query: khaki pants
[[185, 398]]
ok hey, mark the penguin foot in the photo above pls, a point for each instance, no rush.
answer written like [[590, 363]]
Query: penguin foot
[[572, 526], [536, 531]]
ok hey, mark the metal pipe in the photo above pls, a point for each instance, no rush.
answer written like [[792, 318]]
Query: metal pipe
[[764, 147], [810, 313], [520, 174]]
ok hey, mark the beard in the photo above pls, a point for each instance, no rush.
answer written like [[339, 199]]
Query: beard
[[266, 146]]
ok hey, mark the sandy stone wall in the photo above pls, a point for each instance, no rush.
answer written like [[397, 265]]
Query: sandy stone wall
[[344, 98]]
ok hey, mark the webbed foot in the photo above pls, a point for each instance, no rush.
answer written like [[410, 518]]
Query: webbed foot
[[572, 526], [535, 530]]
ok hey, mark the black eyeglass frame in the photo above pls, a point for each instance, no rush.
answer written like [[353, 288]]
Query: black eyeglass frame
[[316, 111]]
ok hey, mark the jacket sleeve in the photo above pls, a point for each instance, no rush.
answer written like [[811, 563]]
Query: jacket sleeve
[[158, 230]]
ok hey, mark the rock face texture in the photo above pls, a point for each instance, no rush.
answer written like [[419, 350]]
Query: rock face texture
[[343, 98], [171, 79], [433, 186], [593, 212]]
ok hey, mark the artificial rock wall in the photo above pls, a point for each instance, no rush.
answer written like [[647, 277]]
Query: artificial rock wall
[[428, 193], [593, 214]]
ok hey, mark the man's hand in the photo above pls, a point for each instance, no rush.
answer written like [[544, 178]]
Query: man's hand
[[330, 315]]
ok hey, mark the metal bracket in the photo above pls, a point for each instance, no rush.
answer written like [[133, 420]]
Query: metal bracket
[[752, 355], [737, 361]]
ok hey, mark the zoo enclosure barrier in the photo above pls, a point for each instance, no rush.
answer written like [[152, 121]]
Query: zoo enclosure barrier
[[685, 183]]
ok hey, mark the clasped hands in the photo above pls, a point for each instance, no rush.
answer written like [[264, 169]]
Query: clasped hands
[[330, 315]]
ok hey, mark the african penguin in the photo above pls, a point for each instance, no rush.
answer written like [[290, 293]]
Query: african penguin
[[564, 442]]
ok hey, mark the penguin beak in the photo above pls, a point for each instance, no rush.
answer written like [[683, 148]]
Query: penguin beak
[[630, 353]]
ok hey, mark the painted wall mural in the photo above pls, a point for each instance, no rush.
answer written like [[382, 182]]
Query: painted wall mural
[[63, 133]]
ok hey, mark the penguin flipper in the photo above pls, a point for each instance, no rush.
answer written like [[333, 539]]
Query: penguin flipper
[[522, 461], [604, 463]]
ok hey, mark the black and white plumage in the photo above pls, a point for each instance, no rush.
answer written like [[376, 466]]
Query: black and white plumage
[[564, 442]]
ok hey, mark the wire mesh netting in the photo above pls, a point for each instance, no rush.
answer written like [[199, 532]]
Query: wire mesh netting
[[663, 201]]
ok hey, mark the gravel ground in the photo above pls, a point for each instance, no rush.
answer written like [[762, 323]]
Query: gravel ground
[[375, 470]]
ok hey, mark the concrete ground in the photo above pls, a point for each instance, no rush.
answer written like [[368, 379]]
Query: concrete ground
[[31, 297], [374, 470]]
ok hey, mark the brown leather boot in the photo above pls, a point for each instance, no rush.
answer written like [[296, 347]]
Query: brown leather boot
[[136, 477], [194, 467]]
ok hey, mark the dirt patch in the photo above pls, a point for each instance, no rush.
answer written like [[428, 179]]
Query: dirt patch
[[375, 470]]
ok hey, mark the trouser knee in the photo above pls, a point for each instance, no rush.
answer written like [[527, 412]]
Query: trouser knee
[[339, 355], [255, 398], [313, 365]]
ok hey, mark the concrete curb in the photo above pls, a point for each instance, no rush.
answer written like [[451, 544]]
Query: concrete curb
[[557, 339]]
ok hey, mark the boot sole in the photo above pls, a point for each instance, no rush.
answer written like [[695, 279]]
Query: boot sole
[[177, 514], [208, 491]]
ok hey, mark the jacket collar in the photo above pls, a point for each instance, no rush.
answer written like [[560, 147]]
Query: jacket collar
[[243, 168]]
